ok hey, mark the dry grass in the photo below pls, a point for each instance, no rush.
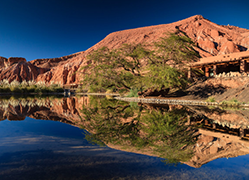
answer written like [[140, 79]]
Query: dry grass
[[30, 87]]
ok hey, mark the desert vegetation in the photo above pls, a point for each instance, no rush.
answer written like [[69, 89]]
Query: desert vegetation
[[211, 99], [232, 102], [30, 101], [146, 69], [25, 87]]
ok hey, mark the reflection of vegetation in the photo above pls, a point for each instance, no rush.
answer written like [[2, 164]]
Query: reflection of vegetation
[[233, 102], [29, 101], [29, 87], [162, 132], [168, 134], [233, 108], [105, 119]]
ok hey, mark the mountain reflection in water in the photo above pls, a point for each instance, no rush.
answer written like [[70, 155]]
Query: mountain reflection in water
[[187, 134]]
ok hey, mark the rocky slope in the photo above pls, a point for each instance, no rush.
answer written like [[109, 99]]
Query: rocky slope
[[211, 39], [220, 88], [19, 69]]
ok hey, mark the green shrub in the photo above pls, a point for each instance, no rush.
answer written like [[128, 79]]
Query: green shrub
[[133, 93], [233, 102], [31, 89], [57, 89], [211, 99]]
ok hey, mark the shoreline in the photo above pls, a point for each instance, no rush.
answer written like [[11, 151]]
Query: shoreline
[[149, 100], [168, 100]]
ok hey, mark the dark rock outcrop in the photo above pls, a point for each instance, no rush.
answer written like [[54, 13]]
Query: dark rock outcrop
[[14, 60]]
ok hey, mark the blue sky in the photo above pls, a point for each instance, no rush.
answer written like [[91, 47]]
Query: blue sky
[[53, 28]]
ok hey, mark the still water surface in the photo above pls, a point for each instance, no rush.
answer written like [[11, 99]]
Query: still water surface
[[42, 139]]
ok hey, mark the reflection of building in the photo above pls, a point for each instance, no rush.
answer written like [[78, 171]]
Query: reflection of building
[[234, 62], [218, 141], [214, 145], [229, 122], [221, 130], [222, 134]]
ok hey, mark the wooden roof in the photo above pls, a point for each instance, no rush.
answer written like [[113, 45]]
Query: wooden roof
[[226, 58]]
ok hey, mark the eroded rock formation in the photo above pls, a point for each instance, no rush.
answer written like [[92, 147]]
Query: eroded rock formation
[[14, 60], [211, 39], [20, 71], [2, 62]]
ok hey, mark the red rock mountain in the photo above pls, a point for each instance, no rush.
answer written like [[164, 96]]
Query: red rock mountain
[[211, 39]]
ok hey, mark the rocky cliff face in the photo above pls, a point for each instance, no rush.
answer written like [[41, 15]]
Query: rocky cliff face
[[2, 62], [20, 71], [211, 39]]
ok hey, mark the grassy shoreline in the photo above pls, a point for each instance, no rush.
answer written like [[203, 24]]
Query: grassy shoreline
[[30, 87]]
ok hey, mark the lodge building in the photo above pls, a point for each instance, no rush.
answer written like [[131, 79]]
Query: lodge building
[[214, 65]]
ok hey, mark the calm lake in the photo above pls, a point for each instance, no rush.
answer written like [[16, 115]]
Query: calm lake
[[98, 138]]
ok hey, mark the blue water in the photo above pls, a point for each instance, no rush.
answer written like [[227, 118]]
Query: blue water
[[42, 127], [43, 149]]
